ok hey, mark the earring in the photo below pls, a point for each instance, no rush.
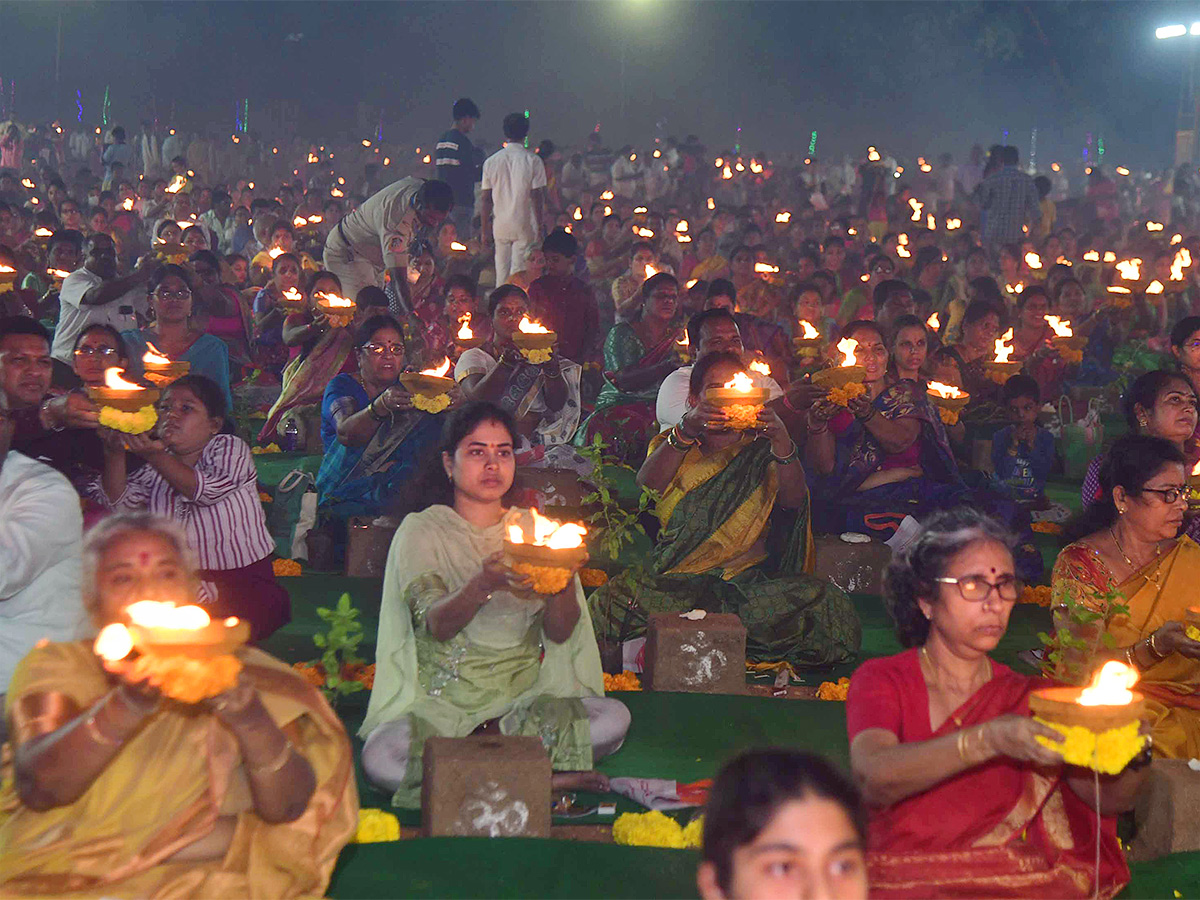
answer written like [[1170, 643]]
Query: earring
[[1142, 423], [1121, 511]]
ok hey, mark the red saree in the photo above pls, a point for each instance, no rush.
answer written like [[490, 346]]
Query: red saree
[[1002, 829]]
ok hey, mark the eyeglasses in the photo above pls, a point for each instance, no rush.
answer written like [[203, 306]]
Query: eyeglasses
[[1169, 495], [106, 352], [976, 588], [173, 295], [380, 349]]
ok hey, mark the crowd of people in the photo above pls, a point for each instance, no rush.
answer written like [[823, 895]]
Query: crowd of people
[[299, 282]]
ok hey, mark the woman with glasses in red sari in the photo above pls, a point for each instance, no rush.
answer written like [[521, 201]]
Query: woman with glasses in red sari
[[965, 800]]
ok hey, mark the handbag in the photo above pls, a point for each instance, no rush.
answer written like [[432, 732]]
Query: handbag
[[293, 514], [1079, 441]]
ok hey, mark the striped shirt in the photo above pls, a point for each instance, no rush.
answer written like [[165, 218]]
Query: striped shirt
[[456, 166], [225, 524]]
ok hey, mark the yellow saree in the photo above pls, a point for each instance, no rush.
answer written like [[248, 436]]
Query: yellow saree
[[1158, 593], [166, 789]]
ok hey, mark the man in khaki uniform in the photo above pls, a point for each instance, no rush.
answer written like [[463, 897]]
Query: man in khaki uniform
[[376, 237]]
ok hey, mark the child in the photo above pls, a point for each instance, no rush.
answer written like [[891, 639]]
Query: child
[[1023, 453]]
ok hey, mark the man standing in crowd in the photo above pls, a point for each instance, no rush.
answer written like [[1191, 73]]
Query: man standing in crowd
[[378, 234], [514, 199], [41, 529], [456, 164], [94, 294], [1009, 201]]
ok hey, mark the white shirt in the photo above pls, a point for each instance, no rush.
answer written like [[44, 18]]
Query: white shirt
[[73, 316], [381, 229], [673, 394], [41, 530], [512, 174]]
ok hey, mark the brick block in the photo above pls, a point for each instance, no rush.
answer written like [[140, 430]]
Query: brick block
[[855, 568], [705, 656], [367, 543], [1165, 812], [485, 786]]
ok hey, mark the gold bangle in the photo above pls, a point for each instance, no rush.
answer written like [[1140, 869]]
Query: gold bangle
[[274, 765], [93, 729], [1158, 654], [961, 743]]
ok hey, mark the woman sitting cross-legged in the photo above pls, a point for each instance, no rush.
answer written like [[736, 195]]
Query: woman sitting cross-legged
[[113, 790], [966, 802], [1125, 552], [205, 479], [735, 536], [464, 645]]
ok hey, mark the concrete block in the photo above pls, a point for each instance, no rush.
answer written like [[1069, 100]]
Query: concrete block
[[1165, 812], [705, 656], [485, 786], [855, 568]]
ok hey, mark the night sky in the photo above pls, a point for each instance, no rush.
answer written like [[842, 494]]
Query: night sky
[[910, 77]]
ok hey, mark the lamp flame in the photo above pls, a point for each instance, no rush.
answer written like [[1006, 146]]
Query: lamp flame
[[917, 206], [154, 357], [1183, 260], [682, 226], [457, 247], [712, 204], [1110, 686], [465, 333], [650, 271], [783, 217], [127, 204], [1033, 260], [293, 295], [1061, 327], [740, 382], [934, 322], [114, 381], [846, 347], [299, 222], [1092, 256], [644, 232], [158, 614], [1117, 289], [333, 301], [1154, 226], [810, 333], [953, 224], [439, 371], [28, 183], [765, 268], [607, 195], [57, 274], [760, 367], [529, 327], [42, 232], [1130, 269], [275, 252], [1154, 287], [726, 173], [578, 214], [113, 642], [1004, 352], [1110, 256], [549, 533], [946, 391]]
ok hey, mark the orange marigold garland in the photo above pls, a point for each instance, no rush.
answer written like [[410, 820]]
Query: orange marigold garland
[[284, 568], [592, 578], [185, 678], [841, 396], [1035, 594], [626, 681], [830, 690]]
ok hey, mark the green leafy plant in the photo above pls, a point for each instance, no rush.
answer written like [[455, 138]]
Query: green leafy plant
[[1079, 634], [339, 646], [616, 523]]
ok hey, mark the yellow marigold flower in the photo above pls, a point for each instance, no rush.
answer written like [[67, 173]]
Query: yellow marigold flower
[[593, 577], [285, 568], [270, 448], [948, 416], [1108, 752], [128, 422], [742, 415], [186, 679], [431, 405], [376, 826], [626, 681], [830, 690], [545, 579], [1038, 595], [693, 832], [841, 396], [1193, 632], [537, 357], [649, 829], [265, 497]]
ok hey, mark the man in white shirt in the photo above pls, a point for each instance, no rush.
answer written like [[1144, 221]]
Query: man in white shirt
[[513, 213], [94, 294], [712, 331], [219, 220], [41, 529], [378, 234]]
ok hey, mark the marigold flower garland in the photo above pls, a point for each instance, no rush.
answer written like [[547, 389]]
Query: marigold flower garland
[[834, 690], [626, 681], [376, 826], [128, 422], [432, 405], [654, 829], [537, 357], [1108, 752], [842, 395]]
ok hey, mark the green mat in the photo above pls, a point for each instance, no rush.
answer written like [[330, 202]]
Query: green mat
[[682, 736], [273, 466]]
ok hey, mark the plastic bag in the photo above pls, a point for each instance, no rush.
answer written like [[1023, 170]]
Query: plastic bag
[[1080, 441], [292, 514]]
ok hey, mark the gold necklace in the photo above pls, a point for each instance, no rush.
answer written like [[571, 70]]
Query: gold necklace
[[1153, 576], [935, 682]]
